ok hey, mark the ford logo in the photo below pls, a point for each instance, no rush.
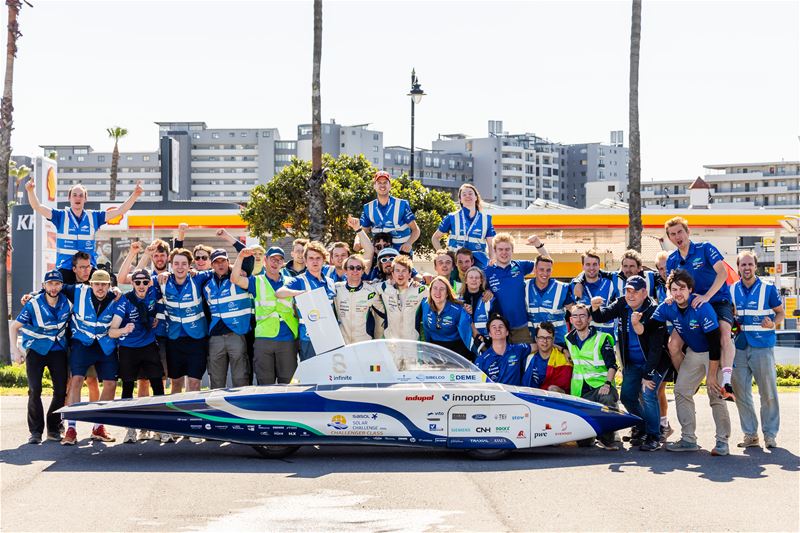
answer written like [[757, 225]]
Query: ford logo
[[478, 416]]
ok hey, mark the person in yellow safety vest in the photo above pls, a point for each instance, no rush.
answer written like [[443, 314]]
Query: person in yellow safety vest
[[275, 349], [594, 366]]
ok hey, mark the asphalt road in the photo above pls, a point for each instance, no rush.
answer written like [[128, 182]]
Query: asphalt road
[[212, 487]]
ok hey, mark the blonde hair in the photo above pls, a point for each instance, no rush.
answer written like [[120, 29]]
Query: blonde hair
[[477, 195], [463, 289], [315, 246], [662, 254], [502, 237], [451, 295], [355, 257], [405, 261], [202, 247], [674, 221], [746, 253]]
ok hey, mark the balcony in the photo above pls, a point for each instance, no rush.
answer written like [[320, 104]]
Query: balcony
[[223, 164], [223, 152], [773, 189]]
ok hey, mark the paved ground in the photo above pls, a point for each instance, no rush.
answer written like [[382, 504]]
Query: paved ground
[[213, 487]]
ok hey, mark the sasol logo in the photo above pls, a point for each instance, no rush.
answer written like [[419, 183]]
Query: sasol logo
[[483, 430], [479, 416], [470, 397], [418, 398]]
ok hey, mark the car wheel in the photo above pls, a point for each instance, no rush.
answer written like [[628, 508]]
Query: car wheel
[[488, 454], [276, 452], [586, 443]]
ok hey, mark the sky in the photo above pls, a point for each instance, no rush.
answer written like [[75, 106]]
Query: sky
[[719, 81]]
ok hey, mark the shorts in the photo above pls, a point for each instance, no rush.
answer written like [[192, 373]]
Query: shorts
[[142, 361], [82, 357], [186, 356], [724, 311]]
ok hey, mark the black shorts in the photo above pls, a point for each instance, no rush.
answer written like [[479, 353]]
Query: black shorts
[[141, 362], [724, 310], [186, 357]]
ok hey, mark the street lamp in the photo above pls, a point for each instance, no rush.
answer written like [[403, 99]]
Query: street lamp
[[416, 95]]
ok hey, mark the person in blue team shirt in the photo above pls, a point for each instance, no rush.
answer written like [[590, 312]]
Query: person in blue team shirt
[[759, 310], [642, 346], [312, 278], [479, 303], [630, 265], [388, 214], [593, 285], [547, 300], [76, 226], [699, 330], [503, 362], [43, 323], [705, 264], [469, 227], [134, 325], [506, 279], [339, 253], [444, 319]]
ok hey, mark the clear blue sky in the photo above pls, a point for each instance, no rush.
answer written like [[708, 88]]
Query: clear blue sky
[[718, 80]]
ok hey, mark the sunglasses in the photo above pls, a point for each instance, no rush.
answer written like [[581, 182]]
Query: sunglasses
[[355, 267], [140, 282], [386, 260], [201, 258]]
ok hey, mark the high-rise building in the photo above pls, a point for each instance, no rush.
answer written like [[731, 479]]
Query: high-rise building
[[592, 172], [338, 139], [435, 169]]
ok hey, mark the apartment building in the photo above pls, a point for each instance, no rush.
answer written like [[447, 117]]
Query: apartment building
[[338, 139], [436, 169]]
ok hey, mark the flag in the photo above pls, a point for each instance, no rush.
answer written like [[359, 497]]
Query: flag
[[374, 368], [733, 276]]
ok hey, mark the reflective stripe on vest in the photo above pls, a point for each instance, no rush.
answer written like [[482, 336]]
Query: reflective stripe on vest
[[398, 230], [69, 242], [229, 303], [271, 310], [47, 328], [86, 325], [460, 235], [186, 316], [588, 363], [607, 298], [750, 319]]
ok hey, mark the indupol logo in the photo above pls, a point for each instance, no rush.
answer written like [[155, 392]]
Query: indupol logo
[[418, 398]]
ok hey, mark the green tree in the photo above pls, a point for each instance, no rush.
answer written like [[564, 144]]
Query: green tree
[[280, 207], [115, 133]]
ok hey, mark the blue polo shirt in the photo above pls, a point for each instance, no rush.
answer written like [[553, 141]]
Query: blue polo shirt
[[691, 324], [635, 352], [508, 285], [699, 262], [143, 333], [505, 368]]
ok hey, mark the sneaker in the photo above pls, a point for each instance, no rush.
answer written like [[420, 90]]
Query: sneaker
[[610, 445], [70, 437], [156, 435], [166, 437], [130, 436], [196, 440], [750, 441], [650, 444], [720, 449], [727, 393], [99, 433], [54, 435], [770, 441], [682, 446], [144, 434], [666, 432], [35, 438]]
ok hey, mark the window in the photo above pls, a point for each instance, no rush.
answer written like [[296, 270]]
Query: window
[[81, 158], [342, 145], [100, 158], [145, 158], [196, 135], [215, 135], [375, 148], [243, 134], [265, 134], [612, 188], [80, 151], [352, 132], [387, 155], [376, 136], [128, 158], [231, 134]]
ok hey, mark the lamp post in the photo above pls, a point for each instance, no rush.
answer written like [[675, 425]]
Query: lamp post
[[416, 95]]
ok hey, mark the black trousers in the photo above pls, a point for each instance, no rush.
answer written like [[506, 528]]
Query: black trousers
[[35, 363]]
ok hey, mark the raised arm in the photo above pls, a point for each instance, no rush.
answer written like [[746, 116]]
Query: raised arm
[[124, 274], [537, 242], [242, 282], [37, 206], [125, 207], [363, 240]]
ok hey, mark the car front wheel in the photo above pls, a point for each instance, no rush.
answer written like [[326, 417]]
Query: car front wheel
[[275, 452]]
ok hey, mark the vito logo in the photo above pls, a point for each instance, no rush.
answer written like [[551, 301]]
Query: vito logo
[[418, 398]]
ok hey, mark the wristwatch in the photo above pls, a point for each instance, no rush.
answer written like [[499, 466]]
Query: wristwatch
[[540, 246]]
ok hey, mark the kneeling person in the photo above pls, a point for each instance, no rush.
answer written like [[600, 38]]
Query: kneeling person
[[547, 367]]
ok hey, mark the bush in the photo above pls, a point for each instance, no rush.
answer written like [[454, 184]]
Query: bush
[[788, 371], [15, 376]]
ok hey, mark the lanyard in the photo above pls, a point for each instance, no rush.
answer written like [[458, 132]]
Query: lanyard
[[379, 213], [464, 223]]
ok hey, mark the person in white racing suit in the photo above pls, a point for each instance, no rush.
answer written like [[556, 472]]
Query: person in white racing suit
[[400, 300], [353, 302]]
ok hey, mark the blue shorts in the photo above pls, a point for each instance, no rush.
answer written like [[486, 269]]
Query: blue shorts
[[81, 357], [724, 311], [186, 356]]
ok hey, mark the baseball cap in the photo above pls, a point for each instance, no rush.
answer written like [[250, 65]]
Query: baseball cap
[[100, 276], [53, 275], [388, 252], [140, 274], [381, 174], [219, 253], [636, 283], [276, 250]]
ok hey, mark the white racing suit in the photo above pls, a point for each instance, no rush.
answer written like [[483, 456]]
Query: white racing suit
[[353, 306], [400, 309]]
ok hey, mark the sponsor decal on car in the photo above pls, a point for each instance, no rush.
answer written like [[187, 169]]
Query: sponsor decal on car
[[340, 378], [207, 426], [501, 416], [519, 417], [435, 427], [469, 397], [338, 422], [479, 416], [459, 416], [463, 377], [419, 398], [483, 430], [374, 368], [521, 434], [563, 432], [460, 430], [502, 429]]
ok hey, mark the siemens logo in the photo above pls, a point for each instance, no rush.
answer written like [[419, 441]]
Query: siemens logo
[[473, 397]]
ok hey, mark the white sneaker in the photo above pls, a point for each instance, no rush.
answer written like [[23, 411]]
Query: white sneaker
[[166, 437], [144, 434], [196, 440], [130, 435], [750, 441]]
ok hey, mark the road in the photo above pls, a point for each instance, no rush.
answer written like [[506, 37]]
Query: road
[[216, 487]]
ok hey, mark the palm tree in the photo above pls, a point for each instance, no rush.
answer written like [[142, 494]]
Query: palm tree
[[6, 126], [316, 201], [115, 133], [635, 166]]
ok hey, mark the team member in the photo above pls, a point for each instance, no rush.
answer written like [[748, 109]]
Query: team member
[[400, 299], [593, 286], [759, 310], [630, 265], [594, 366], [444, 319], [443, 265], [506, 279], [642, 343], [340, 251], [92, 312], [353, 303], [469, 227], [547, 367], [547, 300], [296, 265], [202, 257], [699, 330], [275, 347], [43, 322], [705, 264], [314, 256], [474, 295], [76, 226], [464, 261], [230, 309], [502, 362], [134, 324], [388, 214], [383, 270]]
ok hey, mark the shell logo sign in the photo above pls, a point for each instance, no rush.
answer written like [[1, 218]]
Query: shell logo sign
[[51, 184], [113, 221]]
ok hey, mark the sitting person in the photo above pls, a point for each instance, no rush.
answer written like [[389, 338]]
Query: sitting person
[[547, 367], [502, 362]]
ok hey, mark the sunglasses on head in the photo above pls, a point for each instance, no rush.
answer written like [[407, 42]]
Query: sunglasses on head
[[201, 258], [140, 282], [386, 259], [355, 267]]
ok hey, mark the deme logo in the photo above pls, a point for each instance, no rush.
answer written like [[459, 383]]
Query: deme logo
[[338, 422], [463, 377]]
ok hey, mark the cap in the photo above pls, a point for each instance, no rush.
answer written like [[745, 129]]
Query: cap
[[636, 283], [53, 275], [388, 252], [276, 250], [140, 274], [219, 253], [381, 174], [100, 276]]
